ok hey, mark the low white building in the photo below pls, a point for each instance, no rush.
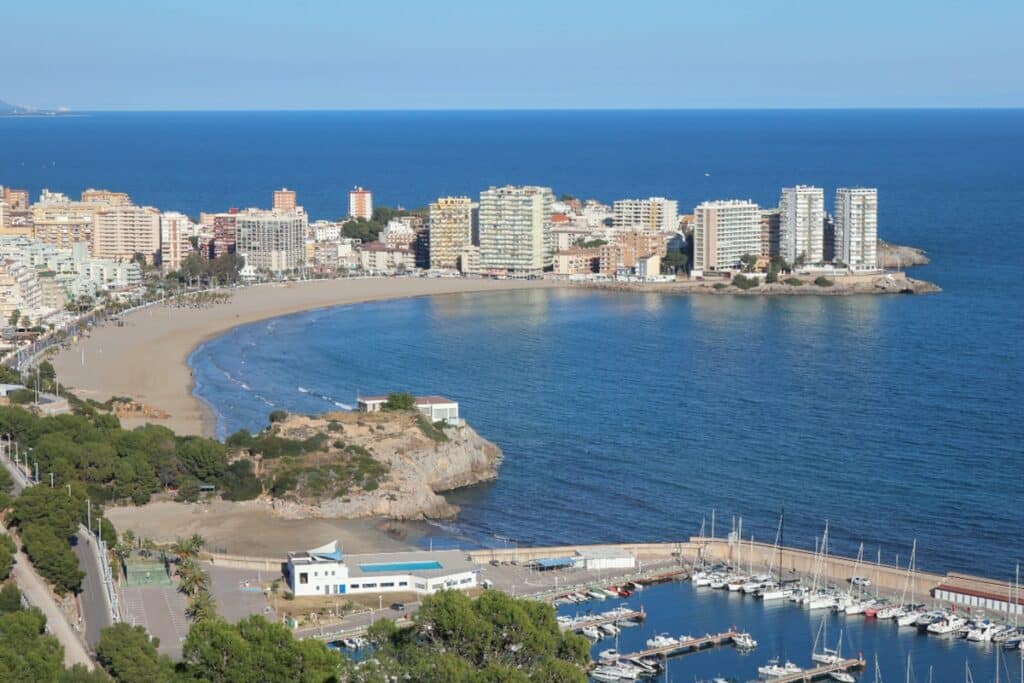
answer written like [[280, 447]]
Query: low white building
[[606, 558], [324, 571], [435, 408]]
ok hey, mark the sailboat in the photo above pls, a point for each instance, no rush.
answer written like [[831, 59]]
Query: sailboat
[[910, 613], [777, 591], [827, 655]]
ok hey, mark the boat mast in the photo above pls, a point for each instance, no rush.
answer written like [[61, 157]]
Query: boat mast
[[782, 527]]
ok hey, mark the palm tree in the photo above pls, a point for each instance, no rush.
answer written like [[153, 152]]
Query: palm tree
[[185, 548], [191, 577], [202, 607]]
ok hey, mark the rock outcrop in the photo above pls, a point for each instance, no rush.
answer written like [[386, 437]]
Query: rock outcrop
[[421, 464]]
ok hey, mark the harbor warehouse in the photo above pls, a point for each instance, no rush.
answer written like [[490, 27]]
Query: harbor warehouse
[[323, 571]]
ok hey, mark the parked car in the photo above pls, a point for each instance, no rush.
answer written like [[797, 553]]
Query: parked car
[[860, 581]]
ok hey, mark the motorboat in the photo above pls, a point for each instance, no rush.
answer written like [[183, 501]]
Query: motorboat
[[744, 641], [613, 673], [610, 629], [591, 632], [609, 655], [889, 612], [983, 632], [774, 592], [596, 595], [821, 601], [775, 670], [908, 618], [842, 676], [927, 618], [951, 624], [662, 640]]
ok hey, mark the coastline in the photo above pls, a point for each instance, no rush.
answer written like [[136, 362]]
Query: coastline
[[147, 358]]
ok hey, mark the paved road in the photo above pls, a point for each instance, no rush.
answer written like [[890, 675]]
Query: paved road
[[38, 595], [93, 596]]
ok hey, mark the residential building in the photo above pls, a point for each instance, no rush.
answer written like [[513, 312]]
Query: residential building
[[360, 203], [92, 196], [326, 231], [19, 290], [724, 231], [515, 229], [567, 236], [120, 231], [324, 571], [469, 260], [648, 266], [377, 257], [610, 259], [175, 245], [635, 244], [654, 213], [63, 228], [397, 235], [284, 200], [271, 241], [771, 221], [577, 261], [225, 234], [801, 231], [16, 200], [451, 229], [856, 227], [435, 408]]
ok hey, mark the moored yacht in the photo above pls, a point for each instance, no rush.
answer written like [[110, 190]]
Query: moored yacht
[[774, 670], [951, 624]]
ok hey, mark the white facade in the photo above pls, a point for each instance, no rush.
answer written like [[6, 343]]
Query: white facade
[[175, 246], [802, 228], [856, 227], [324, 571], [120, 231], [397, 234], [654, 213], [326, 231], [515, 229], [19, 291], [606, 558], [375, 257], [724, 231], [272, 241]]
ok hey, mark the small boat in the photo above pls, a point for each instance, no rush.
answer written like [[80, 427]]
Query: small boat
[[871, 612], [610, 629], [661, 640], [908, 618], [949, 625], [592, 633], [744, 641], [645, 664], [842, 676], [615, 672], [607, 593], [774, 670], [770, 593], [597, 596], [983, 632], [611, 655]]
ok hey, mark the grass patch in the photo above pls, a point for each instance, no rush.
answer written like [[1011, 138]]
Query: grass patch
[[433, 430]]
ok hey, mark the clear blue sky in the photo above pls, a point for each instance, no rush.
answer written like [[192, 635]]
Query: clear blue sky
[[335, 54]]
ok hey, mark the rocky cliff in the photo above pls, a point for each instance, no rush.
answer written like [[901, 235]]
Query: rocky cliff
[[392, 464]]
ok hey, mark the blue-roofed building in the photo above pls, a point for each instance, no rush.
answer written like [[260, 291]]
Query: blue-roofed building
[[324, 571]]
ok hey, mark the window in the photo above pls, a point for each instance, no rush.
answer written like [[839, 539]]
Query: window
[[403, 583], [355, 585], [369, 585], [387, 584], [304, 578]]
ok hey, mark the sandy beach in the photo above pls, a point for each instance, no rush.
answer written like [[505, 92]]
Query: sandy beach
[[147, 359]]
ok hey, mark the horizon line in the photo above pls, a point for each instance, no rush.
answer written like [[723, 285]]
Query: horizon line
[[63, 110]]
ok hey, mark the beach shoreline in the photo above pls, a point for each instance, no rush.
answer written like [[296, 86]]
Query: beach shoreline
[[148, 358]]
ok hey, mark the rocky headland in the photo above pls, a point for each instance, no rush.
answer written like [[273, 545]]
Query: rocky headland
[[360, 465]]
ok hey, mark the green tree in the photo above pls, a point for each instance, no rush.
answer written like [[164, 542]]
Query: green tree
[[129, 655], [13, 319], [79, 674], [748, 261], [277, 416], [823, 281], [400, 401], [26, 653], [7, 550], [202, 606], [10, 598], [52, 556], [674, 262], [205, 459], [192, 579]]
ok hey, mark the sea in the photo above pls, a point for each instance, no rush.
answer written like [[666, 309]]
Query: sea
[[631, 417]]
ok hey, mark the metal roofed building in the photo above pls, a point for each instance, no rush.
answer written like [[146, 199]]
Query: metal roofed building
[[324, 571]]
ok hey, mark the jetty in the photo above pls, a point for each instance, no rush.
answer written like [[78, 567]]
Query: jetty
[[684, 646], [819, 671], [606, 618]]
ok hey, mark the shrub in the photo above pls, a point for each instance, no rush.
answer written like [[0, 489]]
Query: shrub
[[278, 416], [400, 401], [744, 282], [433, 431], [794, 282], [719, 285], [823, 281]]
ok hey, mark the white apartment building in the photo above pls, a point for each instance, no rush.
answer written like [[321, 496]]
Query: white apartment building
[[120, 231], [856, 227], [19, 291], [515, 229], [271, 241], [654, 213], [377, 257], [326, 231], [397, 234], [360, 203], [451, 229], [175, 246], [802, 227], [724, 231]]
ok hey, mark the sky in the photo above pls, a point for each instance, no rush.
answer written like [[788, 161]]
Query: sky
[[523, 54]]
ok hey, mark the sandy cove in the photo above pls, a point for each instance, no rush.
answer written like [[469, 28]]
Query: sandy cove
[[147, 359]]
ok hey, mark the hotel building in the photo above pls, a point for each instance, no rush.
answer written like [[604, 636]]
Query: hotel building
[[802, 227], [654, 213], [271, 241], [856, 227], [360, 203], [515, 229], [451, 229], [175, 246], [122, 230], [724, 231]]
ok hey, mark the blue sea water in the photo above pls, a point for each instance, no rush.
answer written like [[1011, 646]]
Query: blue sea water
[[633, 416]]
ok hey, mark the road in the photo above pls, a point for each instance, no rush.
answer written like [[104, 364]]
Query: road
[[38, 595], [93, 595]]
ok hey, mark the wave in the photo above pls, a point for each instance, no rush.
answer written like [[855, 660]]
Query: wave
[[343, 406], [303, 390]]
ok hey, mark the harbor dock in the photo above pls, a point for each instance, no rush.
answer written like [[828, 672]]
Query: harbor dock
[[602, 619], [684, 646], [820, 671]]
